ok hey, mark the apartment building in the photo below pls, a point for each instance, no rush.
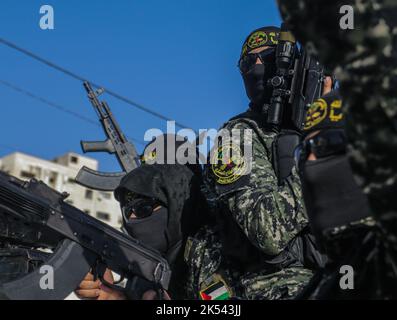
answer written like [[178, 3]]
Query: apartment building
[[59, 173]]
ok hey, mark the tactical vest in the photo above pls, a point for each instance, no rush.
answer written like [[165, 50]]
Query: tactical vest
[[238, 251]]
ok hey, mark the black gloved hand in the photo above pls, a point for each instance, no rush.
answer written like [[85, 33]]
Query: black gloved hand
[[331, 195]]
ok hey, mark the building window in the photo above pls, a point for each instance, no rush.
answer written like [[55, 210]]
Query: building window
[[52, 179], [87, 211], [27, 175], [105, 195], [103, 216], [74, 159], [89, 194]]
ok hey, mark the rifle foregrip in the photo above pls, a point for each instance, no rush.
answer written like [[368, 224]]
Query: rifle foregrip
[[97, 146]]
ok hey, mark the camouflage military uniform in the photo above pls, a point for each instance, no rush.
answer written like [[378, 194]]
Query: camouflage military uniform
[[268, 216], [364, 59]]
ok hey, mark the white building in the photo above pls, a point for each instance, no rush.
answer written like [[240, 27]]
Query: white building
[[59, 174]]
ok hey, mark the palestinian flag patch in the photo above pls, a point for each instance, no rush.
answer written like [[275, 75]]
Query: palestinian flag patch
[[216, 291]]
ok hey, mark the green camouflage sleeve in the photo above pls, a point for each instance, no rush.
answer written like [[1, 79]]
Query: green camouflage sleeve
[[269, 215]]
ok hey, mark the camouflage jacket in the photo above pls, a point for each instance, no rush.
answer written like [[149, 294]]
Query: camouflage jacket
[[256, 210]]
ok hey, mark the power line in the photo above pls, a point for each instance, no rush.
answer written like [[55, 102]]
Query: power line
[[80, 78], [57, 106], [45, 101]]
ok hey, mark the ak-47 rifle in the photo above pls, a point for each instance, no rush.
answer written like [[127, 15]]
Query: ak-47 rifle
[[116, 143], [33, 215]]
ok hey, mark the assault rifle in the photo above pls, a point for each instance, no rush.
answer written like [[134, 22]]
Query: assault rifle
[[33, 215], [116, 143], [297, 84]]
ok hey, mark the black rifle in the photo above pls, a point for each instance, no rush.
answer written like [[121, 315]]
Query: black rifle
[[33, 215], [297, 84], [116, 143]]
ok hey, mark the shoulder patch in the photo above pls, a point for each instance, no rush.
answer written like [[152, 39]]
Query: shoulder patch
[[215, 288], [228, 164]]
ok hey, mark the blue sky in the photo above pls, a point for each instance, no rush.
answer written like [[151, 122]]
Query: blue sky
[[177, 57]]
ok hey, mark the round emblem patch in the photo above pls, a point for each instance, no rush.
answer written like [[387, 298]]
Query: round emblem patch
[[257, 39], [228, 164], [149, 157], [316, 113]]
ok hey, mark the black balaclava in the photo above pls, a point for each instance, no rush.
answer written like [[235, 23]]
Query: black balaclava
[[150, 230], [256, 78], [176, 188], [331, 196]]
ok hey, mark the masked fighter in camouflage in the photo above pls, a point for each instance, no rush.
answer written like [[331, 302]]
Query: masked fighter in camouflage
[[258, 248], [161, 205], [358, 233]]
